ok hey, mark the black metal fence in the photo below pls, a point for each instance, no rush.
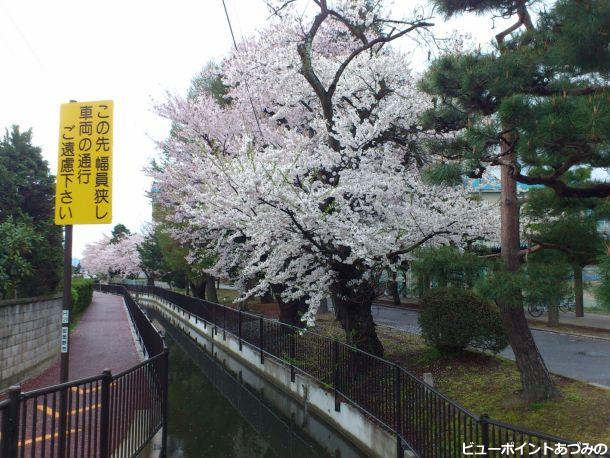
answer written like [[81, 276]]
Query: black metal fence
[[101, 416], [424, 420]]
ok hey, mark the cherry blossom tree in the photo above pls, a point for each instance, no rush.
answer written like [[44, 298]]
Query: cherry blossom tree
[[308, 177], [105, 258]]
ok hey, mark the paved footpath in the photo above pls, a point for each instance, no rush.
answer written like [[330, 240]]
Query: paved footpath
[[102, 340], [581, 358]]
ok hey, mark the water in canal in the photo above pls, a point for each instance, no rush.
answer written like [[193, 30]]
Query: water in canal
[[211, 414]]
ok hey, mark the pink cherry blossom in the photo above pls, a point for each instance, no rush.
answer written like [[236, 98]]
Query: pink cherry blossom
[[295, 192]]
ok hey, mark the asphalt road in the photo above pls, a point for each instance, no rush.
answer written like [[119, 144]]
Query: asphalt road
[[581, 358]]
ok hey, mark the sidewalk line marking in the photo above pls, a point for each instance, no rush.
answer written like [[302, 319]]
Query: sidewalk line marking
[[51, 412], [46, 437], [74, 389]]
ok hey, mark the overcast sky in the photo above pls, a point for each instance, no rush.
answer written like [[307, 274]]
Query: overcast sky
[[130, 51]]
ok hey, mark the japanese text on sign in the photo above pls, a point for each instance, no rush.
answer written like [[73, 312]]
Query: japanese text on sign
[[64, 339], [84, 169]]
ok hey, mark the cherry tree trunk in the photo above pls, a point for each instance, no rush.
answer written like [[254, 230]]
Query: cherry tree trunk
[[292, 311], [353, 308], [535, 378], [198, 288], [267, 297], [210, 289], [578, 291], [357, 322]]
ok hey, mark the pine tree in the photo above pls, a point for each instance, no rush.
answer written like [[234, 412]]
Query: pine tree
[[537, 106], [119, 231], [151, 257]]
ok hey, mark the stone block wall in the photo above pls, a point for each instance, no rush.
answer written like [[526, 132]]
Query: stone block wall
[[29, 337]]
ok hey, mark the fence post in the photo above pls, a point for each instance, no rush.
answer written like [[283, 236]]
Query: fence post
[[398, 412], [63, 417], [336, 375], [291, 353], [484, 420], [10, 423], [165, 406], [105, 414], [224, 323], [261, 338], [239, 328]]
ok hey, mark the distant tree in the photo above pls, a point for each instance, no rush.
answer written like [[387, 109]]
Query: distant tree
[[151, 256], [174, 258], [547, 281], [104, 258], [27, 197], [209, 81], [119, 231], [569, 226]]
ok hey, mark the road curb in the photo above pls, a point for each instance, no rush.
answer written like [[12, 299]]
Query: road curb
[[584, 328], [588, 336], [412, 309]]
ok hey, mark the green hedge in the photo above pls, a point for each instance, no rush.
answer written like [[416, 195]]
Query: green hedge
[[453, 319], [82, 293]]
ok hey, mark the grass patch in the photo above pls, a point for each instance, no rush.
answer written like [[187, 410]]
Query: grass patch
[[226, 296], [489, 384]]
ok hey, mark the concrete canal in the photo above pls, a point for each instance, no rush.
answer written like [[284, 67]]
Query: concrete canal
[[214, 413]]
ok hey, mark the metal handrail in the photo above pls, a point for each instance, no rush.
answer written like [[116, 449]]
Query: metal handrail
[[97, 415], [424, 419]]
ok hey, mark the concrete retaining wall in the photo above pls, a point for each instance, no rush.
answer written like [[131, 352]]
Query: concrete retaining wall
[[367, 436], [29, 337]]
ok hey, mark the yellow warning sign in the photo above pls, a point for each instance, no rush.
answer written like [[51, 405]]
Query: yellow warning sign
[[83, 194]]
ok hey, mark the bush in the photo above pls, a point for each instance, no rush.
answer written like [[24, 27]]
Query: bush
[[446, 266], [453, 319], [82, 293]]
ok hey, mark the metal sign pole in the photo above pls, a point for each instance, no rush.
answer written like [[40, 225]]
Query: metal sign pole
[[64, 368], [66, 306], [65, 331]]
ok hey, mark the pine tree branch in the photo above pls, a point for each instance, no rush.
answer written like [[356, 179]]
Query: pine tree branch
[[600, 190], [555, 246], [580, 91], [500, 37]]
